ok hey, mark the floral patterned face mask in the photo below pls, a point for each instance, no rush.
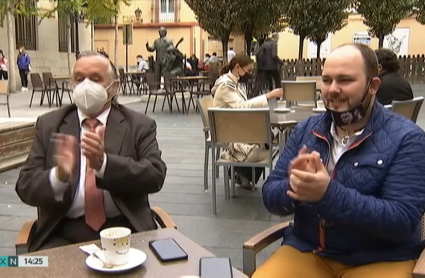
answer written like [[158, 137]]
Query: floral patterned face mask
[[353, 114]]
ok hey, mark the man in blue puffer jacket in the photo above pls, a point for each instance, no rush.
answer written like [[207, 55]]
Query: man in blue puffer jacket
[[359, 194]]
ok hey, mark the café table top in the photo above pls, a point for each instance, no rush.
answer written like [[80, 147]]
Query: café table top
[[70, 261], [288, 119], [60, 77], [190, 77]]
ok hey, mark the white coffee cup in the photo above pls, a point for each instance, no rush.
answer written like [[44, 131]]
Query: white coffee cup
[[281, 103], [320, 104], [116, 245]]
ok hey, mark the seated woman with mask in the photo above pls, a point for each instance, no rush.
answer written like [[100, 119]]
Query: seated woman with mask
[[228, 93]]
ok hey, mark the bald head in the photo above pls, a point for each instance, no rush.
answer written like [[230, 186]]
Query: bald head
[[97, 68], [358, 56], [349, 71], [100, 58]]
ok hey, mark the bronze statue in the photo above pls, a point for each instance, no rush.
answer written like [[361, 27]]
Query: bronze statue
[[160, 45], [175, 60]]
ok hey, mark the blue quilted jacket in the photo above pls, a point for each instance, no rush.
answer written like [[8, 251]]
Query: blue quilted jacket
[[372, 209]]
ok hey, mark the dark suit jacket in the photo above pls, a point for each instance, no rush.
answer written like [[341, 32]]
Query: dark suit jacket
[[134, 168], [393, 87]]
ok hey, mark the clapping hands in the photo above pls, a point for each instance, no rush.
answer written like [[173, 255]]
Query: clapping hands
[[308, 177]]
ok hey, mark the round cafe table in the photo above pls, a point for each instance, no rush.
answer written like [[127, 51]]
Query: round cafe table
[[287, 120]]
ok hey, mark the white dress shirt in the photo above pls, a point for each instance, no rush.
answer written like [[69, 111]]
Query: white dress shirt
[[78, 206], [337, 148]]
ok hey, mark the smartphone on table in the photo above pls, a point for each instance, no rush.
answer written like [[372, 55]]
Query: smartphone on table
[[167, 250], [212, 267]]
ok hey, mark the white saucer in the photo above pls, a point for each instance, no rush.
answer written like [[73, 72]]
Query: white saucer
[[282, 110], [319, 109], [137, 257]]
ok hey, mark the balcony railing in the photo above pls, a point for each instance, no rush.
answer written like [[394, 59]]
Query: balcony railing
[[166, 17]]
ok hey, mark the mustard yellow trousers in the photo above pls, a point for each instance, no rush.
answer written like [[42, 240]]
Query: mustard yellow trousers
[[288, 262]]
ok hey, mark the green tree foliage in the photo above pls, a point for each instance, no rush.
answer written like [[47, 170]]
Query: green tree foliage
[[420, 11], [258, 19], [95, 11], [71, 9], [218, 17], [298, 14], [105, 9], [330, 16], [382, 16]]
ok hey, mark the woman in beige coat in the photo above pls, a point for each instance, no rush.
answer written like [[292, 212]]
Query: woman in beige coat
[[229, 93]]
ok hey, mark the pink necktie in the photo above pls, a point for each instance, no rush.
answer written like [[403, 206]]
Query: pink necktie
[[95, 210]]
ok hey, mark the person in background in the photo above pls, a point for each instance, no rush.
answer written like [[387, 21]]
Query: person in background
[[212, 59], [230, 54], [3, 66], [103, 52], [205, 65], [207, 57], [194, 61], [142, 65], [228, 93], [189, 70], [393, 85], [24, 67], [268, 63]]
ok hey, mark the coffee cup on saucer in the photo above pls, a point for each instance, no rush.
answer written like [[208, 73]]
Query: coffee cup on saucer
[[320, 104], [116, 245], [281, 104]]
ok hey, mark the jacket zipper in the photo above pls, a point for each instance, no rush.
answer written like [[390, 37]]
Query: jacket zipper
[[322, 222]]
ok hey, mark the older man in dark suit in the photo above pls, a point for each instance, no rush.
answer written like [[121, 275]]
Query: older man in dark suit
[[100, 166]]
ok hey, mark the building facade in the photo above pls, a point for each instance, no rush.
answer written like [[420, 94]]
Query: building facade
[[180, 21], [405, 40], [46, 41], [175, 15]]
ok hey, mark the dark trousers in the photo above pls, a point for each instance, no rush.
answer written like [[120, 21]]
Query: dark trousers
[[266, 77], [4, 75], [246, 172], [72, 231], [24, 78]]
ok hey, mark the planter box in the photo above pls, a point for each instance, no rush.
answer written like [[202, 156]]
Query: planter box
[[16, 138]]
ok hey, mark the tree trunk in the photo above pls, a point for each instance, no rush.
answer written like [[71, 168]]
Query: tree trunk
[[11, 48], [248, 41], [225, 45], [68, 52], [381, 41], [319, 45], [116, 41], [92, 35], [301, 47]]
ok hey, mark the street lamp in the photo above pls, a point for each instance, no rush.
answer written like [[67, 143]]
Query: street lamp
[[138, 14], [78, 17]]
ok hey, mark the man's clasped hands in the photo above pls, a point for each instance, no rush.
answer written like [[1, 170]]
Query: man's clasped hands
[[308, 177]]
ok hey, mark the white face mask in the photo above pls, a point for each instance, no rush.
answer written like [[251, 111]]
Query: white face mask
[[90, 97]]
